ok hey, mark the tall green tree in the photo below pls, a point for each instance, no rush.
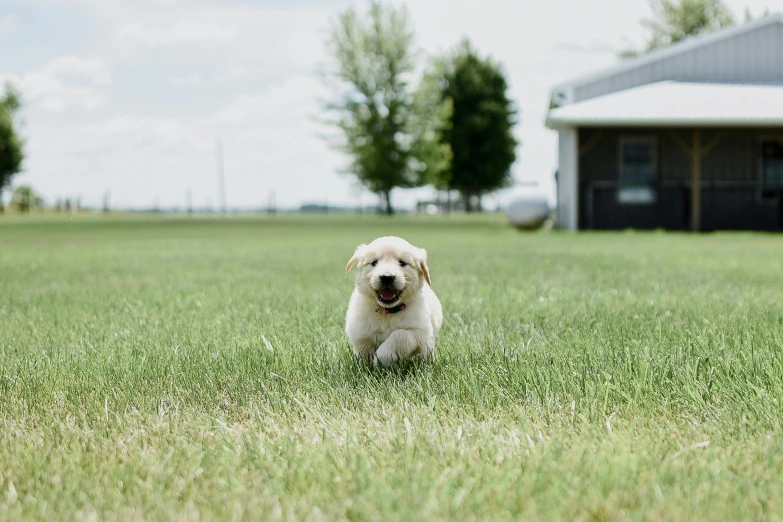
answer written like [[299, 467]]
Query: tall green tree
[[431, 120], [676, 20], [11, 144], [373, 109], [480, 131]]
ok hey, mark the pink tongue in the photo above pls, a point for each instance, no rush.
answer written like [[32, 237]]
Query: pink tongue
[[387, 294]]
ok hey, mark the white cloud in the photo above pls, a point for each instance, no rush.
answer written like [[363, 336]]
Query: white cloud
[[52, 104], [187, 80], [67, 82], [221, 78], [134, 138], [294, 96], [7, 24], [238, 72], [183, 33], [66, 98], [93, 70], [594, 47], [235, 73]]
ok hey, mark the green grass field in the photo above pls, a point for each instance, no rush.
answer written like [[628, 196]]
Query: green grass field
[[198, 370]]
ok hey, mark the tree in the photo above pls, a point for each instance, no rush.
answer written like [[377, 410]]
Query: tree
[[480, 131], [24, 198], [431, 119], [676, 20], [11, 145], [749, 15], [374, 109]]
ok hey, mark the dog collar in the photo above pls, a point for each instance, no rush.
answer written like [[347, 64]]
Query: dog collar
[[394, 310]]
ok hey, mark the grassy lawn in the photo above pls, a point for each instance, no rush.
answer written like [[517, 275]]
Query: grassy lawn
[[197, 369]]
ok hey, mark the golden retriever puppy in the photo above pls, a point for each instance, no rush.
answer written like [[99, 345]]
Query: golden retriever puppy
[[393, 314]]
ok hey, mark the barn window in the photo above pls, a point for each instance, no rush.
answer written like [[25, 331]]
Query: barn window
[[638, 163], [771, 168]]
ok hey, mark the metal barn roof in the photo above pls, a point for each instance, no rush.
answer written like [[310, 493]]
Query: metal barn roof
[[745, 53], [678, 104]]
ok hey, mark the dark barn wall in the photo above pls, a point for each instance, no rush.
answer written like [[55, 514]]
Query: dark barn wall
[[730, 182]]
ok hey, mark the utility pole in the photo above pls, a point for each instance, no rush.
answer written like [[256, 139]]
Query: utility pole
[[189, 201]]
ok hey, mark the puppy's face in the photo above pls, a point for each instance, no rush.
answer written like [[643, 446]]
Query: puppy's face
[[390, 269]]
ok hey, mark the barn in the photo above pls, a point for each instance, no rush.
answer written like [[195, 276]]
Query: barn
[[689, 137]]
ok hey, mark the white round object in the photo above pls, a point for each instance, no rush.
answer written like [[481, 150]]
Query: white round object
[[528, 211]]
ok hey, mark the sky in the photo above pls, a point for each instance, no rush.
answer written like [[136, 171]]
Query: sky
[[130, 97]]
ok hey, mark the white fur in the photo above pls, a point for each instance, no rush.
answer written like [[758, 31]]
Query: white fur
[[382, 338]]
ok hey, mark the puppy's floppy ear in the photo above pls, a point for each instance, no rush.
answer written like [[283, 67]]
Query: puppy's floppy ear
[[422, 262], [357, 254]]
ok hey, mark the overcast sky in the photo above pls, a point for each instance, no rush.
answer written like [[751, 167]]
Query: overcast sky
[[130, 95]]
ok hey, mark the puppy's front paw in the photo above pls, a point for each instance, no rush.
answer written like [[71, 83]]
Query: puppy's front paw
[[386, 357]]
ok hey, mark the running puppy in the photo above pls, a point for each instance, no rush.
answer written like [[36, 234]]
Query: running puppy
[[393, 314]]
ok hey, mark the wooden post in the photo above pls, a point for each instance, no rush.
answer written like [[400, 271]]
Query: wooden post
[[696, 156], [697, 152]]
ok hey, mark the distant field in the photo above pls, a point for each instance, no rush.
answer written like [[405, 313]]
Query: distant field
[[159, 369]]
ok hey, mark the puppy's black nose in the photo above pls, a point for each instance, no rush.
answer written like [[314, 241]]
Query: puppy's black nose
[[387, 279]]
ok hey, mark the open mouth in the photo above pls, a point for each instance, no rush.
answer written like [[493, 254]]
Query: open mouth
[[388, 295]]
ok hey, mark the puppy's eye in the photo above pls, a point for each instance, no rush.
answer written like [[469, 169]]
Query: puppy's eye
[[374, 263], [403, 264]]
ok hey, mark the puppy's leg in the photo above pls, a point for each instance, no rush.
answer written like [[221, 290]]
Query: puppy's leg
[[363, 350], [401, 345]]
